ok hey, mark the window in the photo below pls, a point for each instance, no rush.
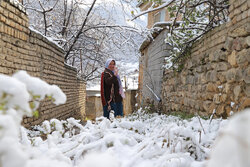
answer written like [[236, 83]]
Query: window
[[160, 16]]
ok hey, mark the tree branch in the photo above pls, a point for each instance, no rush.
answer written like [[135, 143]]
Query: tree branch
[[79, 31]]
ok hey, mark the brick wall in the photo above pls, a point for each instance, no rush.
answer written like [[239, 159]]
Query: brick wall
[[25, 49], [217, 74]]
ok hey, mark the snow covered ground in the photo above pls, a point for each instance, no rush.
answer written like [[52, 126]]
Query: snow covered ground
[[139, 140]]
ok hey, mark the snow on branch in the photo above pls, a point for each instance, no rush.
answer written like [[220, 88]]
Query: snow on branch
[[166, 4], [189, 21]]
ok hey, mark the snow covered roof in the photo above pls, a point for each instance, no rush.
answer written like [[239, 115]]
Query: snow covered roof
[[157, 29]]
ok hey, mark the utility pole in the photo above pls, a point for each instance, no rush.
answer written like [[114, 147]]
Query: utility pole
[[125, 80]]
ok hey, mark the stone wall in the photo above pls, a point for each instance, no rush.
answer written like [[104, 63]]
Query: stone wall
[[217, 74], [152, 61], [25, 49]]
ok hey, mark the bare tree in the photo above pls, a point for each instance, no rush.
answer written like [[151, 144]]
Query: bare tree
[[87, 31]]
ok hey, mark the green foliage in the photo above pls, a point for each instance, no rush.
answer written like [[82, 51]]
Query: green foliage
[[190, 20], [36, 114], [110, 144], [32, 105], [182, 114], [3, 101], [150, 108]]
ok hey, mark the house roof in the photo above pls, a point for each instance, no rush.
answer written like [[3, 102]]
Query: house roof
[[158, 28]]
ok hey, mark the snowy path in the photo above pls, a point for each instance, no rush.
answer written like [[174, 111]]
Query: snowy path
[[139, 140]]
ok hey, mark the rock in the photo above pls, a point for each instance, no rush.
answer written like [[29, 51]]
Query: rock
[[206, 105], [211, 76], [221, 76], [216, 99], [222, 66], [237, 91], [241, 58], [247, 90], [231, 75], [203, 78], [189, 64], [211, 108], [239, 74], [220, 109], [245, 104], [232, 59], [208, 96], [237, 44], [227, 88], [190, 79], [243, 30], [228, 44], [228, 110], [208, 66], [212, 88], [223, 98], [246, 75], [248, 51], [200, 69], [183, 79], [246, 42], [223, 56]]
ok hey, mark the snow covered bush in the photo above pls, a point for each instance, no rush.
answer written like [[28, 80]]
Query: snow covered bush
[[20, 95], [232, 147], [138, 140]]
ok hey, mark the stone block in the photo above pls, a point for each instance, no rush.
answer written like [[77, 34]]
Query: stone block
[[212, 56], [246, 75], [200, 69], [3, 19], [216, 99], [221, 66], [243, 7], [231, 75], [223, 98], [246, 90], [237, 91], [221, 76], [206, 105], [244, 14], [241, 31], [242, 57], [220, 109], [211, 76], [239, 74], [239, 17], [212, 87], [245, 103], [237, 44], [208, 66], [228, 43], [211, 108], [189, 79], [227, 88]]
